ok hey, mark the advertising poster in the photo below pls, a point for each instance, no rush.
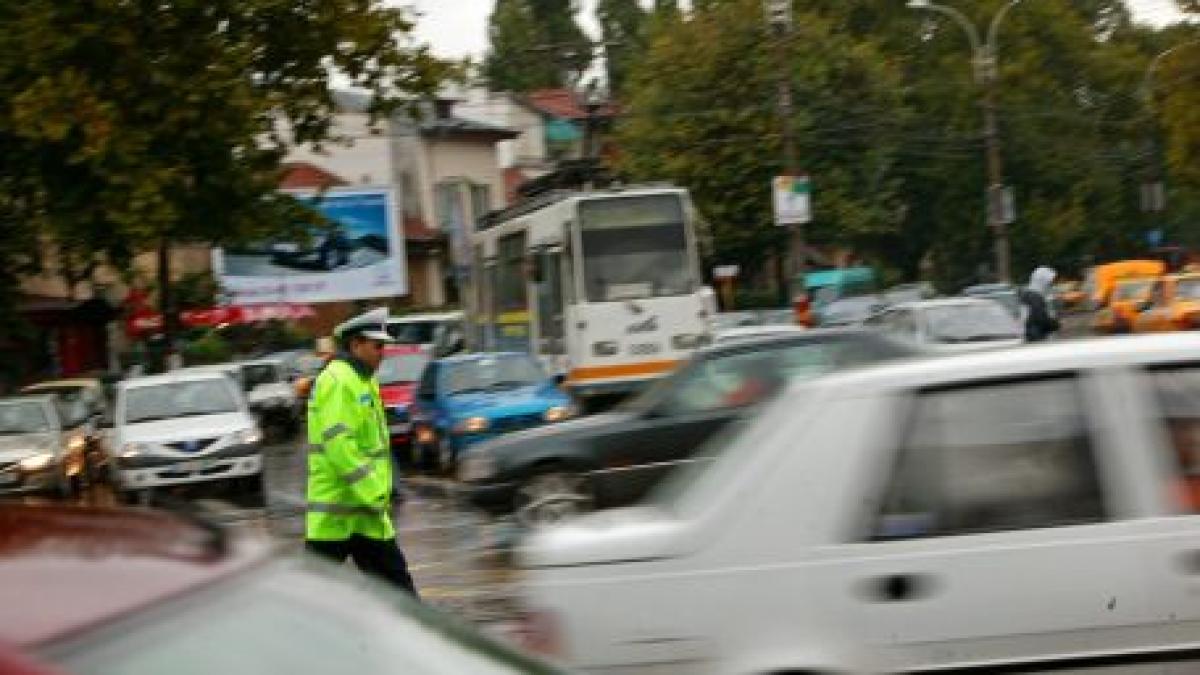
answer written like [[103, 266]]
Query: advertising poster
[[361, 257]]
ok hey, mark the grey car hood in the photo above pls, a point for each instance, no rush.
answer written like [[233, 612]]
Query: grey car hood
[[22, 445]]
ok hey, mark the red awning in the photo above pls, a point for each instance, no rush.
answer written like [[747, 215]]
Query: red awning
[[146, 323]]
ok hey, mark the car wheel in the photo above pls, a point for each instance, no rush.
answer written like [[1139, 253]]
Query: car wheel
[[552, 497]]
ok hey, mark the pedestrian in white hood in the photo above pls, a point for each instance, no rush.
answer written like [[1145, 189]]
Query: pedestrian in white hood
[[1037, 305]]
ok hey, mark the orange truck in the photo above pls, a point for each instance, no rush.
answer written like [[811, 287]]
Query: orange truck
[[1100, 281], [1128, 298], [1174, 304]]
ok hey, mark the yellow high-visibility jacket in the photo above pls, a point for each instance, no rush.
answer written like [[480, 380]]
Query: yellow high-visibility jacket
[[349, 462]]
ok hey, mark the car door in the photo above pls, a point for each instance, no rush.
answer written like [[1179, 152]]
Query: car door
[[995, 535], [1156, 316]]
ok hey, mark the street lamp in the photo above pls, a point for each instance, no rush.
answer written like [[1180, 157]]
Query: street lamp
[[1153, 194], [983, 60]]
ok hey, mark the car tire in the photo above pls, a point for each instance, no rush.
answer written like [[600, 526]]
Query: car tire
[[552, 496]]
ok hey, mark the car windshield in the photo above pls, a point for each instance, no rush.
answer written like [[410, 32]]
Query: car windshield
[[634, 247], [491, 372], [296, 616], [1132, 290], [1188, 289], [850, 310], [24, 417], [413, 332], [969, 322], [400, 368], [179, 399]]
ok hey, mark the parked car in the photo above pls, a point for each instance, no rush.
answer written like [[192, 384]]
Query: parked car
[[1005, 294], [1026, 510], [1172, 304], [851, 311], [443, 333], [184, 428], [951, 324], [108, 591], [84, 403], [43, 447], [613, 459], [398, 376], [1129, 296], [465, 399]]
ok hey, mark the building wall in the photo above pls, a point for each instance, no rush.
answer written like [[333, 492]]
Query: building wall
[[363, 159], [527, 150]]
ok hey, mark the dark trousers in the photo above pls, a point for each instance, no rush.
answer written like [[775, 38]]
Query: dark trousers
[[381, 558]]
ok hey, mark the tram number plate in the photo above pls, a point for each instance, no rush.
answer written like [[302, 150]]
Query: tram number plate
[[644, 348]]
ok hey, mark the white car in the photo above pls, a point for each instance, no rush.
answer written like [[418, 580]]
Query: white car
[[182, 428], [1004, 511], [742, 333], [443, 333], [951, 324]]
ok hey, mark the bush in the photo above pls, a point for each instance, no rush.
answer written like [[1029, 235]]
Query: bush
[[210, 349]]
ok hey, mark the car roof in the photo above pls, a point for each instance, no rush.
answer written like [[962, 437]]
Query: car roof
[[944, 302], [812, 335], [432, 316], [82, 382], [66, 568], [1023, 361], [28, 398], [183, 375], [480, 356]]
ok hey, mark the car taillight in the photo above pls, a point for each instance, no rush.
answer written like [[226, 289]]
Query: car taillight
[[537, 631]]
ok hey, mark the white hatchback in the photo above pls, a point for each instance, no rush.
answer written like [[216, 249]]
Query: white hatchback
[[184, 427], [1015, 510], [950, 325]]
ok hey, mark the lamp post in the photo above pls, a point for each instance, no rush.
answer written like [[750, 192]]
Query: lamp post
[[1153, 195], [983, 60]]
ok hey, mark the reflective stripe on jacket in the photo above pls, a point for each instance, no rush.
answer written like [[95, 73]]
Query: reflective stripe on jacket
[[349, 462]]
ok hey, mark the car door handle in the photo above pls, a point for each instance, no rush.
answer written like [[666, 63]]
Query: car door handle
[[907, 587]]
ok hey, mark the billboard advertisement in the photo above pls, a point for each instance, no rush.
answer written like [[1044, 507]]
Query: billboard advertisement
[[362, 256]]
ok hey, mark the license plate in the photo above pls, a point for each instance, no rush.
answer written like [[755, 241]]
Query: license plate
[[198, 465], [400, 428]]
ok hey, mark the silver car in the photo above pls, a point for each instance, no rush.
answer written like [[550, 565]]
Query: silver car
[[41, 448]]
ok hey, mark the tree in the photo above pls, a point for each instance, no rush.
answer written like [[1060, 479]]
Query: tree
[[535, 44], [622, 26], [701, 112], [128, 124]]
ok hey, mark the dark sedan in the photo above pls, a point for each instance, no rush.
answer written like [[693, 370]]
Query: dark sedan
[[613, 459]]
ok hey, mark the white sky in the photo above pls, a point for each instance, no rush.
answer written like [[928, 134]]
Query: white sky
[[457, 28]]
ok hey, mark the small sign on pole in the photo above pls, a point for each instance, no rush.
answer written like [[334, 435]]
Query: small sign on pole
[[793, 200], [725, 271]]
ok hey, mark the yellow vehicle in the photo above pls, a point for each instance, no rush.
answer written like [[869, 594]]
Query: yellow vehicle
[[1128, 297], [1174, 304], [1101, 280]]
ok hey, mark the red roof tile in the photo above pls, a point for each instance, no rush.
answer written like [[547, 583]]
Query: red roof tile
[[302, 175], [564, 104], [415, 229]]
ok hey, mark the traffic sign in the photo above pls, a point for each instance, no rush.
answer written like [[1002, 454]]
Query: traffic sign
[[793, 200]]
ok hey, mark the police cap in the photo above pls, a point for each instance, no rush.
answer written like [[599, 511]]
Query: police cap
[[371, 325]]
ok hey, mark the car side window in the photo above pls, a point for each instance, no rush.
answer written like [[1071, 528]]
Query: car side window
[[1178, 392], [428, 387], [746, 378], [993, 457]]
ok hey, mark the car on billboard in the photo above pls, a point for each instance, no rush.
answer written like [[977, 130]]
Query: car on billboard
[[327, 251]]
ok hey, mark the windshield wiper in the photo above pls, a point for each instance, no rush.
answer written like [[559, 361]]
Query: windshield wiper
[[509, 384]]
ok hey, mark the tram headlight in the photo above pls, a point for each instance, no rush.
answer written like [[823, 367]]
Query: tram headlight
[[690, 341], [606, 348]]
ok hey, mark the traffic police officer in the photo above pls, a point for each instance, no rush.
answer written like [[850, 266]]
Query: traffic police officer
[[349, 463]]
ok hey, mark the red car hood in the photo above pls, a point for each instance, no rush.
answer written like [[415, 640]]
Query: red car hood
[[397, 394]]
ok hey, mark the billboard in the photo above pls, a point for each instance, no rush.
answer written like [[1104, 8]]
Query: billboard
[[361, 257]]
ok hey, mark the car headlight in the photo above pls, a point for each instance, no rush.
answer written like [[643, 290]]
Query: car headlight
[[472, 425], [249, 436], [36, 462], [605, 348], [476, 466], [76, 443], [557, 413], [133, 450]]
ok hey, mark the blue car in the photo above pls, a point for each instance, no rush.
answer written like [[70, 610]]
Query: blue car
[[465, 399]]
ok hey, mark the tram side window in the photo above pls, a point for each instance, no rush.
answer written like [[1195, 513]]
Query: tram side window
[[510, 288]]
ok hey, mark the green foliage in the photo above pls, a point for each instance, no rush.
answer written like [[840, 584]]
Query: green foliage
[[889, 127], [127, 122], [195, 290], [535, 44], [209, 349]]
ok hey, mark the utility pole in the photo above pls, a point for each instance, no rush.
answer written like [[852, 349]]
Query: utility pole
[[792, 258], [983, 60]]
